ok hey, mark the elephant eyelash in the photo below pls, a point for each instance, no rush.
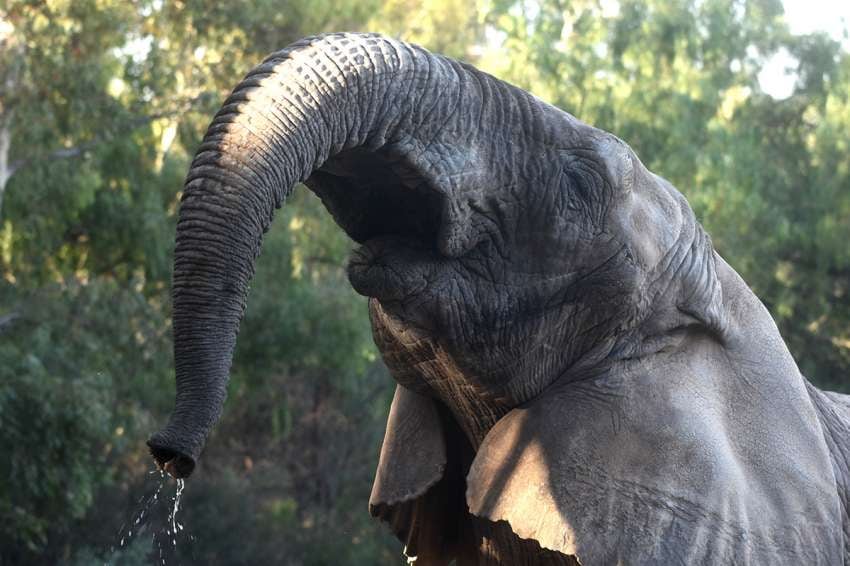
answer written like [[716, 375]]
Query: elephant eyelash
[[573, 205]]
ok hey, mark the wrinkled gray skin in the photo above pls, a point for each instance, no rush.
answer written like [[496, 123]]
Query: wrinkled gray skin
[[582, 379]]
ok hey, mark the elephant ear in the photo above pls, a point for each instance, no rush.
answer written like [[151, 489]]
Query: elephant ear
[[415, 491], [413, 456], [609, 475], [519, 476]]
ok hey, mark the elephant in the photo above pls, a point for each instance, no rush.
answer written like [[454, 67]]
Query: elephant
[[581, 378]]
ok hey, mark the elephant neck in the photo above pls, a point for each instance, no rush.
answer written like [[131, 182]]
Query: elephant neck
[[420, 363]]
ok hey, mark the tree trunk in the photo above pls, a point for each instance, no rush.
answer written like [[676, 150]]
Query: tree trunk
[[6, 169]]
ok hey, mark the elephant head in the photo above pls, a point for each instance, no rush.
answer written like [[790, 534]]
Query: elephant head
[[508, 249]]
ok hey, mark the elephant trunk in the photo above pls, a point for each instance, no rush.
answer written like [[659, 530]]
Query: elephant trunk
[[335, 102], [300, 107]]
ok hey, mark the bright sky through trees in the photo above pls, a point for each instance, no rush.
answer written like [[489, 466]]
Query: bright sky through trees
[[807, 16], [804, 16]]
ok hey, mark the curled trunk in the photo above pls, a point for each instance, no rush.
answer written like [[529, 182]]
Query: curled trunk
[[346, 111]]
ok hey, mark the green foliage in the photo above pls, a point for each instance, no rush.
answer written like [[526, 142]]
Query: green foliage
[[82, 371], [109, 99], [450, 27], [61, 478]]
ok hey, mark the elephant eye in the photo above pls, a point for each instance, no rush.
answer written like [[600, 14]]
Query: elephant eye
[[572, 189], [573, 204]]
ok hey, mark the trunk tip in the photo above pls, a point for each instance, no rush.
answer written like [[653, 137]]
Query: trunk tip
[[177, 464]]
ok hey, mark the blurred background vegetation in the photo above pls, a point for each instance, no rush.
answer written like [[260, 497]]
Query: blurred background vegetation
[[103, 102]]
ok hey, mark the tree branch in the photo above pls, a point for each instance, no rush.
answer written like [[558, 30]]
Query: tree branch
[[62, 153], [76, 151], [8, 318]]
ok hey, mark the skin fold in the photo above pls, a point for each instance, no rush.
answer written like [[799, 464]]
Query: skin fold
[[581, 378]]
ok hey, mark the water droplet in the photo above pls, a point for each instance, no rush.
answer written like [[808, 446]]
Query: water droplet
[[150, 516]]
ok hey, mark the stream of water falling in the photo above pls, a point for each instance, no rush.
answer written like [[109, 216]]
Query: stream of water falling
[[149, 518]]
